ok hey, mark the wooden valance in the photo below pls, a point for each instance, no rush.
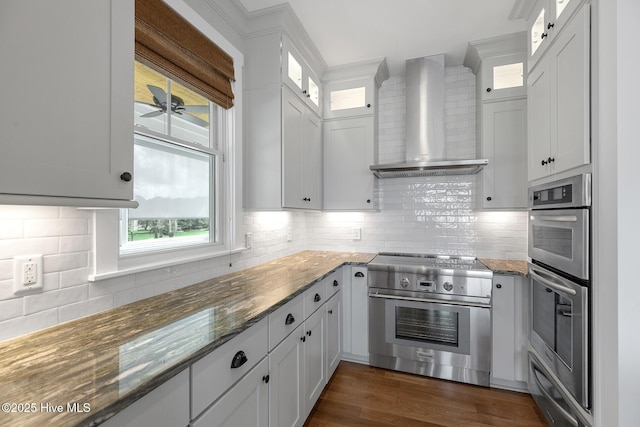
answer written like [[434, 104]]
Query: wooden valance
[[166, 42]]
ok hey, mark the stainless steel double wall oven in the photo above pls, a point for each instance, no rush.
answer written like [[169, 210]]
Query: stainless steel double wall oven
[[560, 277]]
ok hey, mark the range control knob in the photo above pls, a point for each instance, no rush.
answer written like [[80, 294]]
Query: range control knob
[[448, 286], [404, 282]]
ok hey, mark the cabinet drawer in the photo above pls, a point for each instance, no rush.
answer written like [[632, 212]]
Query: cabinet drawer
[[334, 282], [314, 297], [213, 375], [284, 320]]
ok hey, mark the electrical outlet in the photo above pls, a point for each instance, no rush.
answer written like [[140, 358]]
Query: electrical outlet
[[248, 240], [27, 274], [356, 234], [289, 234]]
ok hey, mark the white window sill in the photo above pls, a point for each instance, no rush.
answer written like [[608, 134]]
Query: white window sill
[[161, 264]]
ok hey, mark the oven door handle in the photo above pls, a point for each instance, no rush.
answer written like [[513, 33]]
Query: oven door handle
[[555, 218], [547, 282], [551, 400], [434, 301]]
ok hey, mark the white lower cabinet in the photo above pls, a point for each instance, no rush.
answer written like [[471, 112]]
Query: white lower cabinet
[[286, 381], [245, 404], [355, 316], [315, 373], [168, 405], [509, 328], [334, 333]]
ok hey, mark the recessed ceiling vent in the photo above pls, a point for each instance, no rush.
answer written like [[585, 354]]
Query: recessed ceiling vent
[[425, 127]]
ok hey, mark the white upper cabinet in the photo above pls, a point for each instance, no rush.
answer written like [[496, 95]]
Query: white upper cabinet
[[500, 67], [504, 77], [545, 23], [67, 115], [299, 77], [559, 102], [351, 133], [283, 128]]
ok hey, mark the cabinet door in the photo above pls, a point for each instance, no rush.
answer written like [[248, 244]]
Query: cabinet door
[[168, 405], [312, 160], [503, 77], [359, 313], [246, 404], [334, 333], [293, 111], [504, 143], [67, 114], [348, 153], [286, 381], [537, 34], [509, 331], [315, 377], [538, 123], [569, 59], [349, 98]]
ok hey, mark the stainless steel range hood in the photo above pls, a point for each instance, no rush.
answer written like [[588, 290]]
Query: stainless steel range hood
[[425, 155]]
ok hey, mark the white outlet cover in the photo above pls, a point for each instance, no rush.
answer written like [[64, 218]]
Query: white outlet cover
[[19, 287]]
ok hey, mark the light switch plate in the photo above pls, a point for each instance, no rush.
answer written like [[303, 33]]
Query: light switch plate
[[356, 234], [27, 274]]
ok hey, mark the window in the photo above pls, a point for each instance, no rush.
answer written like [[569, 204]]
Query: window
[[176, 167]]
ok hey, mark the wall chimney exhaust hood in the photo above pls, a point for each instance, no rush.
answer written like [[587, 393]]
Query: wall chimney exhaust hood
[[425, 127]]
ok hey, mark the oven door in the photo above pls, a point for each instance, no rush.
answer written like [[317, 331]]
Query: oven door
[[559, 329], [447, 341], [560, 239]]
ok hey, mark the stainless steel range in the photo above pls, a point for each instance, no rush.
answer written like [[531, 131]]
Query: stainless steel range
[[430, 315]]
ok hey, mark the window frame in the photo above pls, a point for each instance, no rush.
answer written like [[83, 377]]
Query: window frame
[[106, 255]]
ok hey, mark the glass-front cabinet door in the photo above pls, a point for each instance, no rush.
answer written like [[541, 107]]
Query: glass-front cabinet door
[[349, 98], [504, 77], [297, 75]]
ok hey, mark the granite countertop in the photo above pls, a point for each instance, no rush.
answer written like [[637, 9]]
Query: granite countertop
[[506, 266], [107, 361]]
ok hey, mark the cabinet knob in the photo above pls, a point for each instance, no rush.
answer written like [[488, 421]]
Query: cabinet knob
[[544, 162], [330, 311], [498, 286], [309, 333], [303, 338], [550, 26], [551, 160], [126, 177], [336, 283], [359, 274], [488, 89], [368, 200], [368, 105], [304, 91], [306, 199], [265, 379], [317, 298], [543, 35], [489, 199]]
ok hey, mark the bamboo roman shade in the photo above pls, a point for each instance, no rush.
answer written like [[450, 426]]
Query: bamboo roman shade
[[166, 42]]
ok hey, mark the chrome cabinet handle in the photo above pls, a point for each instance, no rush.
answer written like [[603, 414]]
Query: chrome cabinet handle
[[559, 408], [538, 275], [555, 218]]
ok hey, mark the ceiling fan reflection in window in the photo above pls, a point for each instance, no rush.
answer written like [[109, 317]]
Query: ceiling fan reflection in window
[[177, 107]]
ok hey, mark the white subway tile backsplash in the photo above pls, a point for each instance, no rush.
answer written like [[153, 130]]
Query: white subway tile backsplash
[[85, 308], [53, 299], [61, 227], [30, 323], [11, 308]]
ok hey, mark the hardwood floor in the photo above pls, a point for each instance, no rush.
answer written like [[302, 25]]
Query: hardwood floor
[[362, 395]]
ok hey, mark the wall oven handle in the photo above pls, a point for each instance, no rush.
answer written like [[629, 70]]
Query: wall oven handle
[[555, 218], [559, 408], [547, 282], [434, 301]]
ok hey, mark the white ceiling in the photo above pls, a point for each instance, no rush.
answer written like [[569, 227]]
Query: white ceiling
[[346, 31]]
